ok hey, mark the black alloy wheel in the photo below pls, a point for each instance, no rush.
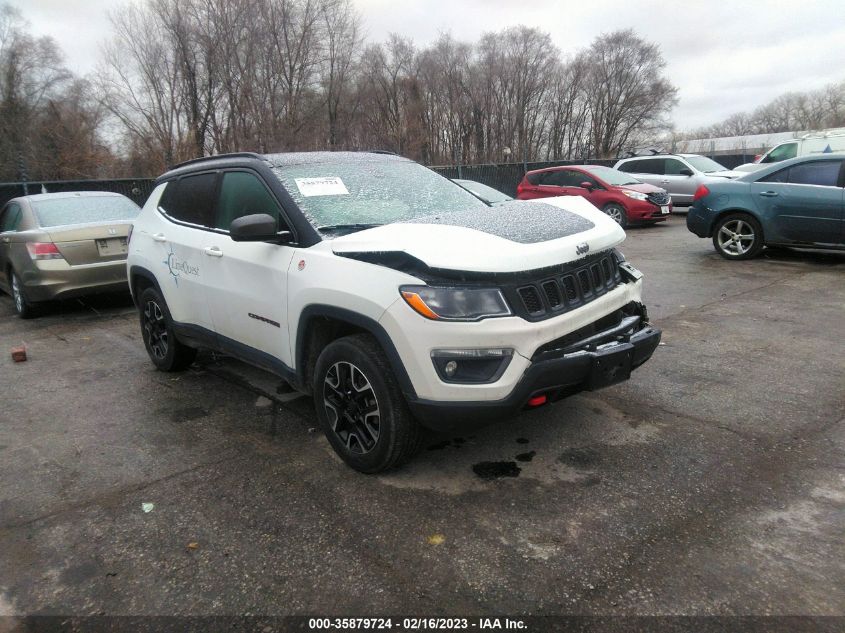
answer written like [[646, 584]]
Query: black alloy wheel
[[352, 407]]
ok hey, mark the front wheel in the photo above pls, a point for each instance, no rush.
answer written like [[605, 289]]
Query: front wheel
[[166, 352], [361, 408], [738, 236], [617, 213]]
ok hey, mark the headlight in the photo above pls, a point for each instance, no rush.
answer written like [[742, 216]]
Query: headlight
[[455, 304], [636, 195]]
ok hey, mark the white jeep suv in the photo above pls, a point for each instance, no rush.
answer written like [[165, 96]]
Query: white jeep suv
[[398, 299]]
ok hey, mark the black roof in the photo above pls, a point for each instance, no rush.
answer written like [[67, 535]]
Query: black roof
[[278, 160]]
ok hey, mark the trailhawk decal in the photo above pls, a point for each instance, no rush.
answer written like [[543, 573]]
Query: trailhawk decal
[[258, 317], [179, 267]]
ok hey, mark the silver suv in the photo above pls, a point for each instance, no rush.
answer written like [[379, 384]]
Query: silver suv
[[679, 174]]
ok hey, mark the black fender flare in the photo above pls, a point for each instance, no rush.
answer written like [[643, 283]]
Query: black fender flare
[[367, 324], [139, 271]]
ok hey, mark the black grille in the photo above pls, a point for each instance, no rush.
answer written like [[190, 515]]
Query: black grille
[[659, 198], [531, 299], [568, 288], [552, 293], [584, 282]]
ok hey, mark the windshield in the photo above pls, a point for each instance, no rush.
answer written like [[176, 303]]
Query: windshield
[[343, 193], [702, 163], [84, 209], [483, 191], [612, 176]]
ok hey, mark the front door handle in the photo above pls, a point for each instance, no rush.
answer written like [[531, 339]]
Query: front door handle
[[664, 182], [769, 194], [159, 237], [213, 251]]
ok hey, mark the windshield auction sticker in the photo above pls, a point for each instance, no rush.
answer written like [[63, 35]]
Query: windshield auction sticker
[[326, 186]]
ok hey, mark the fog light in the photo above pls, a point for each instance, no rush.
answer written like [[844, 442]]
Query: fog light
[[471, 365]]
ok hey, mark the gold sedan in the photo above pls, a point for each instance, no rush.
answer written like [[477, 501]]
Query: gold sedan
[[61, 245]]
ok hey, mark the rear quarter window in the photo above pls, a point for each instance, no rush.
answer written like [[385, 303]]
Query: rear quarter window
[[191, 199]]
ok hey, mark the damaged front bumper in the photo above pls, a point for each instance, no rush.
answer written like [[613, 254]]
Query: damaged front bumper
[[557, 370]]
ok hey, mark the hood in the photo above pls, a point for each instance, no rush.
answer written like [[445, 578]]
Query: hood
[[728, 173], [642, 187], [512, 237], [749, 167]]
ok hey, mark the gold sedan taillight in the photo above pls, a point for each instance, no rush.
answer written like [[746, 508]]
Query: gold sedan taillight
[[43, 250]]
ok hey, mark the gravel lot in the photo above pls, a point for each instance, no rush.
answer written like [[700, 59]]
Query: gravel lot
[[711, 483]]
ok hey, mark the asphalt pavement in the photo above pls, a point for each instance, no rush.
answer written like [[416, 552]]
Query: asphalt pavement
[[710, 483]]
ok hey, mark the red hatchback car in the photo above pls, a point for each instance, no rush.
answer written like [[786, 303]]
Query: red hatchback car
[[622, 197]]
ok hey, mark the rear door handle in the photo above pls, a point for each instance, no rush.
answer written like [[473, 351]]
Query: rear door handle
[[213, 251], [159, 237], [769, 194]]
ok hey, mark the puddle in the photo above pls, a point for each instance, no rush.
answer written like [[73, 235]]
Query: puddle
[[496, 470], [526, 457]]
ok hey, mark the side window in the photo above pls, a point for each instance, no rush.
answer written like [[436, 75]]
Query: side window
[[11, 219], [781, 152], [577, 177], [242, 193], [643, 166], [673, 167], [823, 172], [781, 175], [555, 178], [191, 199]]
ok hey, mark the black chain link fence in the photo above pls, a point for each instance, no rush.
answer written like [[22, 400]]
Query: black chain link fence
[[502, 176], [136, 189]]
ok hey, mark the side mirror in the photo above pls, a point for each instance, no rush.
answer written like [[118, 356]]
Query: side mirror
[[258, 227], [587, 185], [685, 172]]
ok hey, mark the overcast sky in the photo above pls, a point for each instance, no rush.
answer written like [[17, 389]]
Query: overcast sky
[[725, 57]]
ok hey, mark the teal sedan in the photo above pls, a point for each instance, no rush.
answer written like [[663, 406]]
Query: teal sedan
[[798, 202]]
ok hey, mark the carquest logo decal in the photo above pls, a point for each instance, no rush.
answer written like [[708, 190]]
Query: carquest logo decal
[[582, 248], [179, 267]]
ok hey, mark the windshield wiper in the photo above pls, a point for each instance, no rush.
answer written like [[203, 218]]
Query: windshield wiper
[[331, 228]]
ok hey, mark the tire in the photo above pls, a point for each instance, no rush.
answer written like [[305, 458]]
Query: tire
[[23, 307], [738, 236], [617, 213], [361, 408], [165, 351]]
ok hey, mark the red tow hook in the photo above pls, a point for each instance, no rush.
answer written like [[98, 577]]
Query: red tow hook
[[536, 401]]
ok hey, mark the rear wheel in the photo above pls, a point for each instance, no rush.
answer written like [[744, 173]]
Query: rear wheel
[[738, 236], [617, 213], [163, 348], [361, 408], [23, 307]]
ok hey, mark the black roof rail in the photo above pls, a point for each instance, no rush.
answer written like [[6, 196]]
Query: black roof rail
[[216, 157], [380, 151]]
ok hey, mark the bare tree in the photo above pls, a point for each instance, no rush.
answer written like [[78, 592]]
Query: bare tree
[[629, 94], [341, 24], [31, 72]]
